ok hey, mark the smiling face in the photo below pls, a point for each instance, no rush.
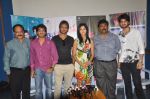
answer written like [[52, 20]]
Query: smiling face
[[103, 28], [19, 32], [41, 32], [124, 23]]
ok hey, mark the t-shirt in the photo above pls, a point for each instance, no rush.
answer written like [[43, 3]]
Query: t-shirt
[[64, 48]]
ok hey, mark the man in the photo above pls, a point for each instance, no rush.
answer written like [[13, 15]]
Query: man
[[43, 59], [64, 68], [131, 57], [16, 63], [107, 46]]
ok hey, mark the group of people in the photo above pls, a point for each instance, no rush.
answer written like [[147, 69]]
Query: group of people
[[83, 58]]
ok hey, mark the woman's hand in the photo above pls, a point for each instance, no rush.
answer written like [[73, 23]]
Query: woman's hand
[[86, 64]]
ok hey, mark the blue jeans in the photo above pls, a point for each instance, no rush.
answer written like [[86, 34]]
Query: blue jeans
[[39, 77]]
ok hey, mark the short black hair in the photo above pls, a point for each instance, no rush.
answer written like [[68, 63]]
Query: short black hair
[[16, 25], [33, 28], [103, 21], [41, 26], [64, 22], [124, 16]]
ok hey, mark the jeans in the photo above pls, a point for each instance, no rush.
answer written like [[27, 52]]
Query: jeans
[[128, 70], [39, 77]]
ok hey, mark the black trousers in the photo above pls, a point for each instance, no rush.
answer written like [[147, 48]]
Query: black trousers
[[20, 82], [128, 70]]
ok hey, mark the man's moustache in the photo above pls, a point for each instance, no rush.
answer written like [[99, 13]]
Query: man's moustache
[[19, 35]]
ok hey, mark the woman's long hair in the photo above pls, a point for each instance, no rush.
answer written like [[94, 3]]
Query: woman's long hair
[[87, 33]]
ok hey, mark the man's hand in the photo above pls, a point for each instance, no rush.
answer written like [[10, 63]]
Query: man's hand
[[119, 64], [33, 73], [139, 65], [49, 70]]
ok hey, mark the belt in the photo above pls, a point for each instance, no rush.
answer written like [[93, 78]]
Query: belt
[[15, 68], [107, 61]]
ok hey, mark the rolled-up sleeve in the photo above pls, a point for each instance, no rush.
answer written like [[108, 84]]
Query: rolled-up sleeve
[[140, 43]]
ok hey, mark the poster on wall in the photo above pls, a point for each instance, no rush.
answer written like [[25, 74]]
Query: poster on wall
[[52, 25], [91, 22], [29, 24]]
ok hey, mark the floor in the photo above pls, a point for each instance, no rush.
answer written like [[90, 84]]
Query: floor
[[5, 94]]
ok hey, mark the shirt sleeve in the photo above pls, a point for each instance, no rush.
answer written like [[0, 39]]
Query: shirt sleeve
[[54, 53], [6, 59], [140, 43], [32, 57]]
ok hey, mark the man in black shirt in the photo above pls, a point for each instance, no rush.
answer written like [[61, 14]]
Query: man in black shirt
[[64, 68]]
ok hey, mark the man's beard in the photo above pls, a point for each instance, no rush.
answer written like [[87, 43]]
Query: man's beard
[[125, 26], [104, 31]]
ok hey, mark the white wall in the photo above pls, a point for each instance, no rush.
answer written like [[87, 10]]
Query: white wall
[[51, 8]]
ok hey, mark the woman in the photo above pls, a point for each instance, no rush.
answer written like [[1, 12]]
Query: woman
[[83, 53]]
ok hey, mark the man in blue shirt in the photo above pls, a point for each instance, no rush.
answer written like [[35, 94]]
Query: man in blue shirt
[[107, 46], [16, 63]]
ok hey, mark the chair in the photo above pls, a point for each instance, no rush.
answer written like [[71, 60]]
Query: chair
[[120, 82], [146, 81]]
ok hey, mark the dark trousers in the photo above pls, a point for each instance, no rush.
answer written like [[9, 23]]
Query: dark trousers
[[106, 74], [128, 70], [20, 82]]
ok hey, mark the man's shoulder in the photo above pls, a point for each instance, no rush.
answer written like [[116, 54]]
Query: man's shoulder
[[114, 35], [10, 42], [133, 30], [55, 37], [71, 38], [34, 41], [96, 36], [27, 40], [49, 41]]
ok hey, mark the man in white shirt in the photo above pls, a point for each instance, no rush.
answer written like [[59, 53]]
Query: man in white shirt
[[131, 57]]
